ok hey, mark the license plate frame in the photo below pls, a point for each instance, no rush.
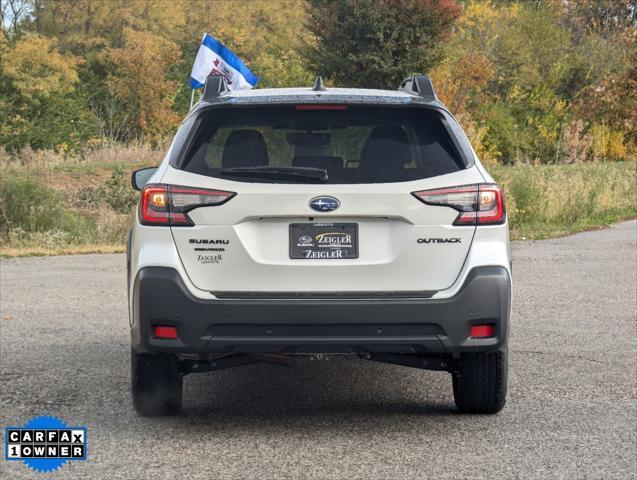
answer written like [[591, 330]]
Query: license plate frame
[[323, 241]]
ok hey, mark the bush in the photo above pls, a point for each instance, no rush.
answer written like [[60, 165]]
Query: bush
[[117, 192], [30, 207]]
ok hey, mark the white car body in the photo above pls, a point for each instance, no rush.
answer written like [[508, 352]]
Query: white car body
[[387, 251]]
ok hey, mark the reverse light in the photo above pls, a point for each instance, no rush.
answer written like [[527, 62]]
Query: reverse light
[[478, 204], [169, 204]]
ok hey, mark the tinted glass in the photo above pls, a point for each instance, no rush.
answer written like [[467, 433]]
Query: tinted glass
[[354, 145]]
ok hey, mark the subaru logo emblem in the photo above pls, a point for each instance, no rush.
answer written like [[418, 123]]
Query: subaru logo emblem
[[324, 204]]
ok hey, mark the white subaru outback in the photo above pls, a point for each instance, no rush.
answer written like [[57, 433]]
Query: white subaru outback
[[309, 221]]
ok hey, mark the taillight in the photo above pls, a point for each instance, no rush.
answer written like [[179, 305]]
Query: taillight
[[169, 204], [478, 204]]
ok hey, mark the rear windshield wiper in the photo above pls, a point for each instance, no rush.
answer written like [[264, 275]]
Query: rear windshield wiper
[[277, 173]]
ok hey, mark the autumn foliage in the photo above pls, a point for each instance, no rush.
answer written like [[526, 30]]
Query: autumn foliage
[[138, 81], [547, 81]]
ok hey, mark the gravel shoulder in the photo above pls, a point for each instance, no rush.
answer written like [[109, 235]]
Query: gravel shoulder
[[571, 412]]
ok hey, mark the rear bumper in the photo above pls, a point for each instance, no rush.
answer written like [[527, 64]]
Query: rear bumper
[[360, 325]]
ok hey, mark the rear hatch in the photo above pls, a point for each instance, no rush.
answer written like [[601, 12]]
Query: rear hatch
[[323, 202]]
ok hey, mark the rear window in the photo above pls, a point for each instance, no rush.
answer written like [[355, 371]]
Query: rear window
[[351, 145]]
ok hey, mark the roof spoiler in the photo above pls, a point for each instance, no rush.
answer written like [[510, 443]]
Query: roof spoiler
[[215, 86], [420, 85]]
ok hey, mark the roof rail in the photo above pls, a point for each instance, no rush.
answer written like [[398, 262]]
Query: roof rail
[[215, 86], [420, 85]]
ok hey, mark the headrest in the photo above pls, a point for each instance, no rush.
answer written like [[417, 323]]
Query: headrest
[[244, 148]]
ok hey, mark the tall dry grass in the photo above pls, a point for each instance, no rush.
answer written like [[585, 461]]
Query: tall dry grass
[[53, 203], [550, 200]]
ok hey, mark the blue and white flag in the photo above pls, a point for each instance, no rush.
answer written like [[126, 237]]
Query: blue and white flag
[[214, 58]]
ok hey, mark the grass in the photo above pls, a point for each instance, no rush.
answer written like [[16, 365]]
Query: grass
[[52, 205], [12, 252], [555, 200]]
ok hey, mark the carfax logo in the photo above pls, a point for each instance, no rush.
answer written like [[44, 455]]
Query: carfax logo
[[45, 443]]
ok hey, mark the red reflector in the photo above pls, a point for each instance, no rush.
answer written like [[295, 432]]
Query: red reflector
[[162, 331], [482, 331], [320, 107]]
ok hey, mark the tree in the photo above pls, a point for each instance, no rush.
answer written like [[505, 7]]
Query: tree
[[84, 25], [12, 14], [141, 65], [461, 82], [377, 43], [528, 78], [602, 17], [37, 101], [38, 70]]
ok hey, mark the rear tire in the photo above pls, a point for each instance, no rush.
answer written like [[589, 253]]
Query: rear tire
[[480, 384], [156, 384]]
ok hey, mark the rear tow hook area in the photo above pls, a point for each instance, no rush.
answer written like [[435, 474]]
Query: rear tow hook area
[[210, 364], [446, 364]]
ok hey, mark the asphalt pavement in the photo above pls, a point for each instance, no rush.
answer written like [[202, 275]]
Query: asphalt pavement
[[571, 411]]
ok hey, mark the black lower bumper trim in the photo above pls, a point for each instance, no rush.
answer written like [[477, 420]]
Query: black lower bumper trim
[[323, 325], [322, 295]]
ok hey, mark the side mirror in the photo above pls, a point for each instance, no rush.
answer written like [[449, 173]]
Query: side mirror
[[139, 178]]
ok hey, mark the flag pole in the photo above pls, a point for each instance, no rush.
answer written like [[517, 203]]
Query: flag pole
[[192, 98]]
